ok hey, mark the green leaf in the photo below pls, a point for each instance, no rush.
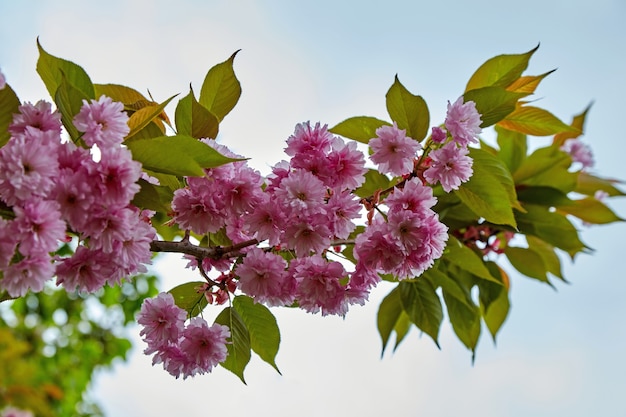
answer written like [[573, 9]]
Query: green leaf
[[490, 192], [423, 306], [177, 155], [578, 123], [51, 70], [501, 70], [513, 147], [494, 299], [528, 262], [153, 197], [239, 348], [9, 105], [493, 103], [590, 210], [374, 181], [551, 227], [527, 83], [542, 196], [69, 100], [361, 128], [262, 327], [548, 167], [465, 320], [128, 96], [409, 111], [144, 116], [588, 184], [536, 122], [389, 313], [548, 255], [448, 285], [188, 297], [466, 259], [195, 120], [221, 89]]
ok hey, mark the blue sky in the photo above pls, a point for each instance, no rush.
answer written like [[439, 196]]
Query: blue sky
[[560, 352]]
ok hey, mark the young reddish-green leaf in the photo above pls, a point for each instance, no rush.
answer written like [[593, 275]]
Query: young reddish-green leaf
[[221, 89], [144, 116], [501, 70], [466, 259], [128, 96], [190, 298], [360, 128], [51, 70], [578, 125], [69, 100], [239, 348], [527, 83], [493, 103], [513, 147], [409, 111], [551, 227], [590, 210], [588, 184], [194, 120], [536, 122], [262, 327], [9, 104], [494, 299], [423, 306], [176, 155]]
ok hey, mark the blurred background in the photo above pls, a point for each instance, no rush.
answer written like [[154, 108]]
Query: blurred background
[[561, 351]]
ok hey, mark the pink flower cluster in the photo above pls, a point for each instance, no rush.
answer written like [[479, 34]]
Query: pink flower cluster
[[185, 350], [579, 152], [56, 190]]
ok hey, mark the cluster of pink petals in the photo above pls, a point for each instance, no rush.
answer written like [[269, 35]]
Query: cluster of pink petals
[[409, 241], [15, 412], [393, 151], [103, 122], [185, 350], [463, 122], [450, 166], [580, 152], [56, 189]]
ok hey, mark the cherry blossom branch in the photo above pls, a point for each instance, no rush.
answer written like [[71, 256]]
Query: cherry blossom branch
[[199, 252]]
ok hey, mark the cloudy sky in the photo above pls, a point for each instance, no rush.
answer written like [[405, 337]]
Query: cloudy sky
[[560, 353]]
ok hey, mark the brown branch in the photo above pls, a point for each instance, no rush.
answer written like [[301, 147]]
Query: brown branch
[[199, 252]]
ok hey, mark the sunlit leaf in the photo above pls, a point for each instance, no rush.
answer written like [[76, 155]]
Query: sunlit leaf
[[536, 122], [239, 348], [527, 83], [513, 147], [423, 306], [493, 103], [578, 123], [190, 297], [501, 70], [220, 89], [590, 210], [51, 70], [195, 120], [120, 93], [409, 111], [361, 128], [588, 184], [144, 116], [262, 327]]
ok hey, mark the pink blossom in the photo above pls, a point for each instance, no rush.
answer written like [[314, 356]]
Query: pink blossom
[[579, 152], [450, 166], [394, 152], [319, 286], [363, 277], [463, 122], [162, 320], [204, 346], [87, 269], [38, 117], [438, 135], [342, 208], [103, 122], [406, 227], [307, 140], [116, 177], [133, 253], [241, 191], [106, 228], [12, 411], [414, 196], [29, 273], [38, 226], [302, 191], [346, 168], [377, 250], [267, 221], [174, 360], [28, 168], [8, 242], [75, 197], [263, 276], [198, 207], [308, 235]]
